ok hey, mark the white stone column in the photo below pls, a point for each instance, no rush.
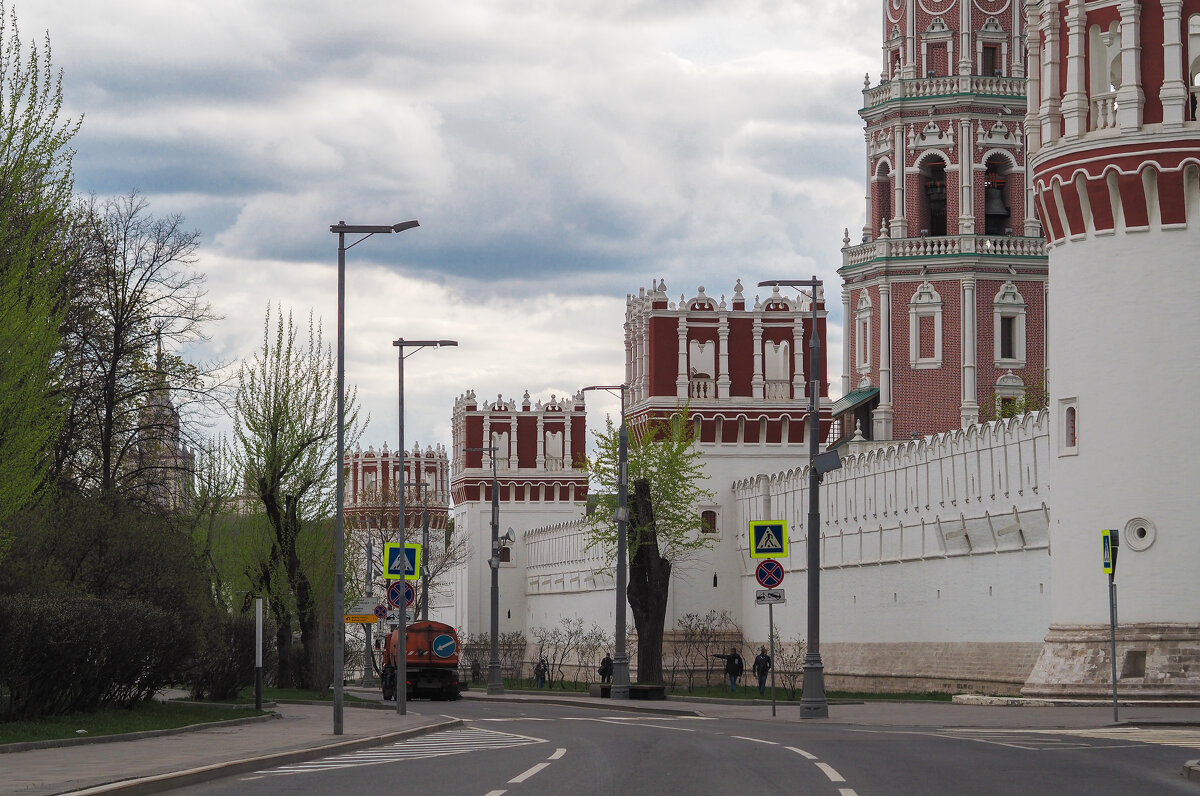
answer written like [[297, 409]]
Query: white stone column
[[1033, 91], [757, 382], [1131, 98], [847, 339], [969, 412], [884, 416], [1050, 111], [723, 357], [799, 357], [899, 223], [1174, 91], [966, 181], [1075, 99], [541, 441], [681, 376]]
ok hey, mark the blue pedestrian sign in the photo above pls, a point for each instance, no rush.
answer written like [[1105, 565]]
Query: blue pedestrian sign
[[444, 646], [768, 539], [407, 566]]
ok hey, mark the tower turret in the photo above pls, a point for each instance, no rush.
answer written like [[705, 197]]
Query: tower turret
[[944, 297], [1114, 149]]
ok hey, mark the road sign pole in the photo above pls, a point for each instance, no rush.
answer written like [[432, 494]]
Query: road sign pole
[[771, 637], [1112, 627]]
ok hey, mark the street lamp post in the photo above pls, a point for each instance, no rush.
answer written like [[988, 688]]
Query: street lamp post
[[401, 485], [424, 492], [495, 679], [813, 703], [341, 229], [620, 674]]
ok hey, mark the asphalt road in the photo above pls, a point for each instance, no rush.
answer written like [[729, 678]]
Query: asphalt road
[[534, 749]]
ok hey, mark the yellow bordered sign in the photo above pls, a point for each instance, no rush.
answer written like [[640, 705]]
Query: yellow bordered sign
[[361, 619], [768, 539], [1110, 541], [401, 564]]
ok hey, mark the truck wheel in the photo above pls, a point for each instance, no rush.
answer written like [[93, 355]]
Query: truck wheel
[[389, 683]]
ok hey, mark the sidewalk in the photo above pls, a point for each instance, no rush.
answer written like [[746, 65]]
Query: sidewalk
[[305, 732], [154, 764]]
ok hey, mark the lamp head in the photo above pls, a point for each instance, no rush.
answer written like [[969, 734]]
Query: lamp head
[[403, 225]]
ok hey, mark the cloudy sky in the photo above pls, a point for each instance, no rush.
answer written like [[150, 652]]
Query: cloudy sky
[[559, 154]]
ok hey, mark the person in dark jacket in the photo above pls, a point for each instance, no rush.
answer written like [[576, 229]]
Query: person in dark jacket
[[760, 667], [606, 669], [733, 666]]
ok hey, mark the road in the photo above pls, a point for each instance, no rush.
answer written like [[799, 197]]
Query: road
[[532, 749]]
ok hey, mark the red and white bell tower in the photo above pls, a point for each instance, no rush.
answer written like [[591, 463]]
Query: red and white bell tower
[[1114, 149], [944, 297]]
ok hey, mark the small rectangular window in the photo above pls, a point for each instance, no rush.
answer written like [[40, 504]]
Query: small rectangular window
[[708, 521], [988, 65], [1008, 345]]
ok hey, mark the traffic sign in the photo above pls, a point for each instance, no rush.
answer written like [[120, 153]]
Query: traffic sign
[[768, 539], [444, 645], [769, 596], [360, 619], [410, 561], [380, 612], [1111, 541], [769, 573]]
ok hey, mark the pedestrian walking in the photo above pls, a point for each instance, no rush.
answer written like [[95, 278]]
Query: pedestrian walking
[[760, 667], [733, 666], [606, 668], [539, 672]]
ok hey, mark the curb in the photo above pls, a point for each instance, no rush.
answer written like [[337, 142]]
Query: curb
[[52, 743], [1191, 770], [597, 704], [194, 776]]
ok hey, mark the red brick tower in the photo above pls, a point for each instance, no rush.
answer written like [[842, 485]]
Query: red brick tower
[[944, 298]]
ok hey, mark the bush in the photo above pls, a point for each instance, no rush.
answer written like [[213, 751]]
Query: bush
[[115, 652], [225, 663]]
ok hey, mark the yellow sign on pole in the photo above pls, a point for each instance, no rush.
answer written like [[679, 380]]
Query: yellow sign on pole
[[768, 539], [1110, 541], [402, 562], [361, 619]]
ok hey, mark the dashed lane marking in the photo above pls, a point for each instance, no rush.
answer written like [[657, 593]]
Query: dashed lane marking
[[830, 772], [802, 753], [441, 744], [756, 740], [519, 778]]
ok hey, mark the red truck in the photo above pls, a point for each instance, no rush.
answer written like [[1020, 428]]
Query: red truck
[[432, 661]]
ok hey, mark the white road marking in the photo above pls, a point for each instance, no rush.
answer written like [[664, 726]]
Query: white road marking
[[830, 772], [495, 793], [846, 792], [803, 753], [756, 740], [558, 753], [626, 724], [527, 774]]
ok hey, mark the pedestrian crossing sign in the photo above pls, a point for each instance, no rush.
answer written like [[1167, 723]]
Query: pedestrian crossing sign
[[402, 561], [768, 539]]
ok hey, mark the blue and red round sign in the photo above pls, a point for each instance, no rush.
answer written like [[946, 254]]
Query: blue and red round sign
[[381, 612], [769, 573], [401, 594]]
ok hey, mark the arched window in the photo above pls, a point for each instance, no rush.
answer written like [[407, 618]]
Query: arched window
[[1069, 436], [995, 198], [933, 189], [708, 521]]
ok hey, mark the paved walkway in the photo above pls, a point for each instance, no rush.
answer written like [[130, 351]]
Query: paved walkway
[[305, 732]]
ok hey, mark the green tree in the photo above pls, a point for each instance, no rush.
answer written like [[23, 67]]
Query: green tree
[[35, 193], [286, 431], [666, 471]]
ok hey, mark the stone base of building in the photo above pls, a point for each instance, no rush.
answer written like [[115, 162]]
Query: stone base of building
[[1154, 661], [914, 667]]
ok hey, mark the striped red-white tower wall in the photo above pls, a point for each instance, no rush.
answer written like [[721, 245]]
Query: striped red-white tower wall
[[1115, 156], [944, 296], [538, 445]]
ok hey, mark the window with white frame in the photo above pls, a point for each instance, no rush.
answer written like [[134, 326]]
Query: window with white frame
[[862, 332], [1068, 427], [925, 328], [708, 521], [1009, 328]]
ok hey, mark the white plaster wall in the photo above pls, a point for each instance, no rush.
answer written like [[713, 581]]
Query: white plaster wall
[[1126, 332]]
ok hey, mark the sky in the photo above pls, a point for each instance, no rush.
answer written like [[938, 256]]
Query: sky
[[559, 155]]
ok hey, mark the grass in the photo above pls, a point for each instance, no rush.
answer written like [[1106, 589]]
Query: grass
[[246, 695], [749, 690], [114, 721]]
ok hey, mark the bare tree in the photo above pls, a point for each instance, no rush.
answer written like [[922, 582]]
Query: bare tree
[[137, 300]]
